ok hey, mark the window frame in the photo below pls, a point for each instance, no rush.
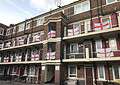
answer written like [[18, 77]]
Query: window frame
[[80, 7], [71, 47], [107, 2], [114, 72], [103, 69], [70, 71], [113, 46], [1, 31], [21, 27]]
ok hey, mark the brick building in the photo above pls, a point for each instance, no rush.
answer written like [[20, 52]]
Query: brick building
[[75, 43]]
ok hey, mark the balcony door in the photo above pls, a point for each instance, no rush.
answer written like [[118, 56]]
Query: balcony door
[[89, 75]]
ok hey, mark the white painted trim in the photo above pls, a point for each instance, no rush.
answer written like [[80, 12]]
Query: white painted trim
[[57, 67], [103, 68], [114, 72], [74, 44], [111, 2], [69, 72], [81, 4]]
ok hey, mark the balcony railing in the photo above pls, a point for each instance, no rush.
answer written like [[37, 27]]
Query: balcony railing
[[75, 55], [50, 56], [105, 53], [98, 24]]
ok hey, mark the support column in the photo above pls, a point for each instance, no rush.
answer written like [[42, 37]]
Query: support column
[[119, 19], [42, 74], [87, 53], [57, 75]]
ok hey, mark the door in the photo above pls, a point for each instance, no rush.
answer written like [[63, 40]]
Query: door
[[89, 76]]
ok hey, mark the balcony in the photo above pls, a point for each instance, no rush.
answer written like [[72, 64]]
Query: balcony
[[50, 56], [100, 25]]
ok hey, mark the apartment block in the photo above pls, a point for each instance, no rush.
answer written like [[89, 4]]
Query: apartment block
[[75, 44]]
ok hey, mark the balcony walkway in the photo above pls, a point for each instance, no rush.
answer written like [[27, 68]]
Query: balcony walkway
[[18, 83]]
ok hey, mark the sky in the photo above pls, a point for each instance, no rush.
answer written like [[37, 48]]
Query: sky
[[14, 11]]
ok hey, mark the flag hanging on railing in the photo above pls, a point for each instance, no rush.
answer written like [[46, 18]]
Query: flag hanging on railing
[[34, 56], [51, 34], [106, 22], [97, 24], [76, 31]]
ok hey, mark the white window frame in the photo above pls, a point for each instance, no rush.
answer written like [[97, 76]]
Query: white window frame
[[21, 27], [79, 8], [114, 72], [27, 25], [96, 44], [32, 70], [87, 26], [113, 44], [110, 2], [71, 47], [72, 74], [103, 68]]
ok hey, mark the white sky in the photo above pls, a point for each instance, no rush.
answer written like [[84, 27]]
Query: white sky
[[14, 11]]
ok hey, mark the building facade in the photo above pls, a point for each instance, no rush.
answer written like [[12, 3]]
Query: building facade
[[76, 44]]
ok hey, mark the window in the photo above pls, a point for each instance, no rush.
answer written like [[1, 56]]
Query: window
[[113, 43], [40, 21], [73, 48], [1, 31], [87, 26], [1, 70], [76, 28], [72, 71], [110, 1], [116, 72], [21, 27], [32, 70], [82, 7], [9, 31], [98, 44], [28, 25], [101, 73]]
